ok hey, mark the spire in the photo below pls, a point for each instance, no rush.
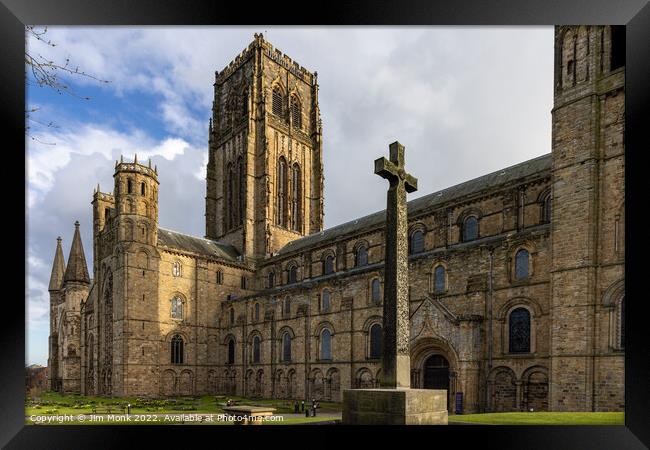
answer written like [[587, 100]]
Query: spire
[[77, 269], [58, 268]]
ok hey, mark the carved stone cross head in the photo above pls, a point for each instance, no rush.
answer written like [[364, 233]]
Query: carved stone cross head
[[393, 169]]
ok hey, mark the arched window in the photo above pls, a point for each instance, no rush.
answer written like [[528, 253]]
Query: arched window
[[622, 324], [326, 344], [177, 350], [293, 274], [470, 229], [257, 312], [143, 189], [282, 193], [231, 352], [271, 279], [296, 113], [522, 264], [328, 265], [325, 300], [546, 209], [361, 257], [244, 105], [417, 242], [241, 191], [376, 291], [286, 346], [296, 212], [256, 349], [375, 341], [232, 316], [287, 307], [177, 308], [176, 269], [519, 331], [129, 186], [219, 277], [232, 195], [277, 101], [439, 279]]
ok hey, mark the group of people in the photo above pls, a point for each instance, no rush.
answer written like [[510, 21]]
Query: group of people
[[301, 408]]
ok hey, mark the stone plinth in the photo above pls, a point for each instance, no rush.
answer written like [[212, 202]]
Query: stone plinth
[[248, 415], [394, 407]]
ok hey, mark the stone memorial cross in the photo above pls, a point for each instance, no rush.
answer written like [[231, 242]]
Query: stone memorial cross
[[396, 364]]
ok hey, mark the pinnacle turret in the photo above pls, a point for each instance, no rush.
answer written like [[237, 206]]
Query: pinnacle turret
[[77, 270], [58, 268]]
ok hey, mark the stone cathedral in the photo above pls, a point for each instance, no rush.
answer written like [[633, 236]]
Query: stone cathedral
[[516, 277]]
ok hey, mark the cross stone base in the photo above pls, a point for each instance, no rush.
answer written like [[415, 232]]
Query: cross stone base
[[394, 407]]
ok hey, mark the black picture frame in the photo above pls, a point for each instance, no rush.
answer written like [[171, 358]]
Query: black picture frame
[[635, 14]]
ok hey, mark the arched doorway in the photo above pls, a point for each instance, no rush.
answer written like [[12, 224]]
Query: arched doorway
[[436, 373]]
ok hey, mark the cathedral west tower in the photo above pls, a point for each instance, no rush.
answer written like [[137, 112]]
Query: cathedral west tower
[[265, 169]]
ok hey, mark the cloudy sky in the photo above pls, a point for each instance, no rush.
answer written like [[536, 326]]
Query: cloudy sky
[[465, 101]]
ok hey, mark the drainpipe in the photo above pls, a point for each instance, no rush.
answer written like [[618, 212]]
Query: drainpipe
[[489, 318]]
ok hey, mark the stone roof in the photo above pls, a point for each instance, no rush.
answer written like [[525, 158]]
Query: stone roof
[[77, 270], [425, 203], [174, 240], [58, 268]]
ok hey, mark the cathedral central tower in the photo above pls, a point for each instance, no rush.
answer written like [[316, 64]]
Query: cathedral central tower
[[265, 167]]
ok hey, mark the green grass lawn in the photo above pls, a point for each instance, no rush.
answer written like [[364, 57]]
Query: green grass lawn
[[543, 418], [54, 404]]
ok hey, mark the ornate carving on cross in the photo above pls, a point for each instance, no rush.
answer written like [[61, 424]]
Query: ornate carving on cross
[[396, 364]]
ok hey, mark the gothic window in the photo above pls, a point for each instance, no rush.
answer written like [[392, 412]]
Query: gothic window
[[282, 193], [375, 341], [328, 265], [256, 349], [232, 316], [177, 350], [417, 241], [622, 323], [546, 209], [231, 351], [296, 212], [293, 274], [177, 308], [176, 269], [470, 229], [230, 198], [243, 283], [271, 279], [296, 113], [286, 346], [129, 186], [519, 331], [325, 300], [287, 307], [277, 101], [257, 312], [376, 292], [522, 258], [244, 104], [219, 277], [617, 58], [143, 189], [439, 279], [241, 191], [361, 257], [326, 344]]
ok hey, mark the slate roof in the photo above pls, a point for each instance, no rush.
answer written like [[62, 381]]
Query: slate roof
[[427, 202], [174, 240]]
